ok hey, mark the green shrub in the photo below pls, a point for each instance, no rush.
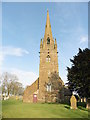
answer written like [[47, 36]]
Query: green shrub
[[82, 104]]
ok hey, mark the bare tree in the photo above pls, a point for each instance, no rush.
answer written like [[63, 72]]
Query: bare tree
[[53, 86], [10, 84], [55, 82]]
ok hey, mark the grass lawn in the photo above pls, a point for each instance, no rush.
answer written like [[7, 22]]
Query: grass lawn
[[18, 109]]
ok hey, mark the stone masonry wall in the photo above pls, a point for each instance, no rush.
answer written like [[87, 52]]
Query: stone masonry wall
[[29, 91]]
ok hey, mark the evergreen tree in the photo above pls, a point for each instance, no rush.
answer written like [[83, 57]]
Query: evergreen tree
[[79, 73]]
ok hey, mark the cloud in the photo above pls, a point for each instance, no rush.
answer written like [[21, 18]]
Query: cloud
[[9, 50], [25, 77], [83, 39]]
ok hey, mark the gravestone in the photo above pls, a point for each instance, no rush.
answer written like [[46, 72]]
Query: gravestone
[[84, 99], [81, 100], [73, 102], [88, 105], [17, 98]]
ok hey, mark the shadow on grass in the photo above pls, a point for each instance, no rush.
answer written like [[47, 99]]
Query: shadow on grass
[[50, 103], [68, 107], [82, 108], [79, 107]]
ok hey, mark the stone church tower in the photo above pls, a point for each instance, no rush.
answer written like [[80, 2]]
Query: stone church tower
[[48, 57], [48, 64]]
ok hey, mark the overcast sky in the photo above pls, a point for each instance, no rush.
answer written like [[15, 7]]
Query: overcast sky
[[23, 26]]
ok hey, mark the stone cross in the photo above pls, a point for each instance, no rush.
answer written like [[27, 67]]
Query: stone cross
[[73, 102]]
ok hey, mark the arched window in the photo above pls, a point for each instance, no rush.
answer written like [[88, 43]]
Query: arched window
[[48, 58], [48, 87], [48, 40]]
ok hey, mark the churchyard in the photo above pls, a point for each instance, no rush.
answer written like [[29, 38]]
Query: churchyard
[[17, 109], [59, 97]]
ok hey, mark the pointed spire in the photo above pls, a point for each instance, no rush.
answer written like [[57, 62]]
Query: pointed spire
[[48, 20], [48, 31]]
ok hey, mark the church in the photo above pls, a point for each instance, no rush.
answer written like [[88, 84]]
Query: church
[[48, 64]]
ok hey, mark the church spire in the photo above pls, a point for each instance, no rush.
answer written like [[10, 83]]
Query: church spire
[[48, 32]]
